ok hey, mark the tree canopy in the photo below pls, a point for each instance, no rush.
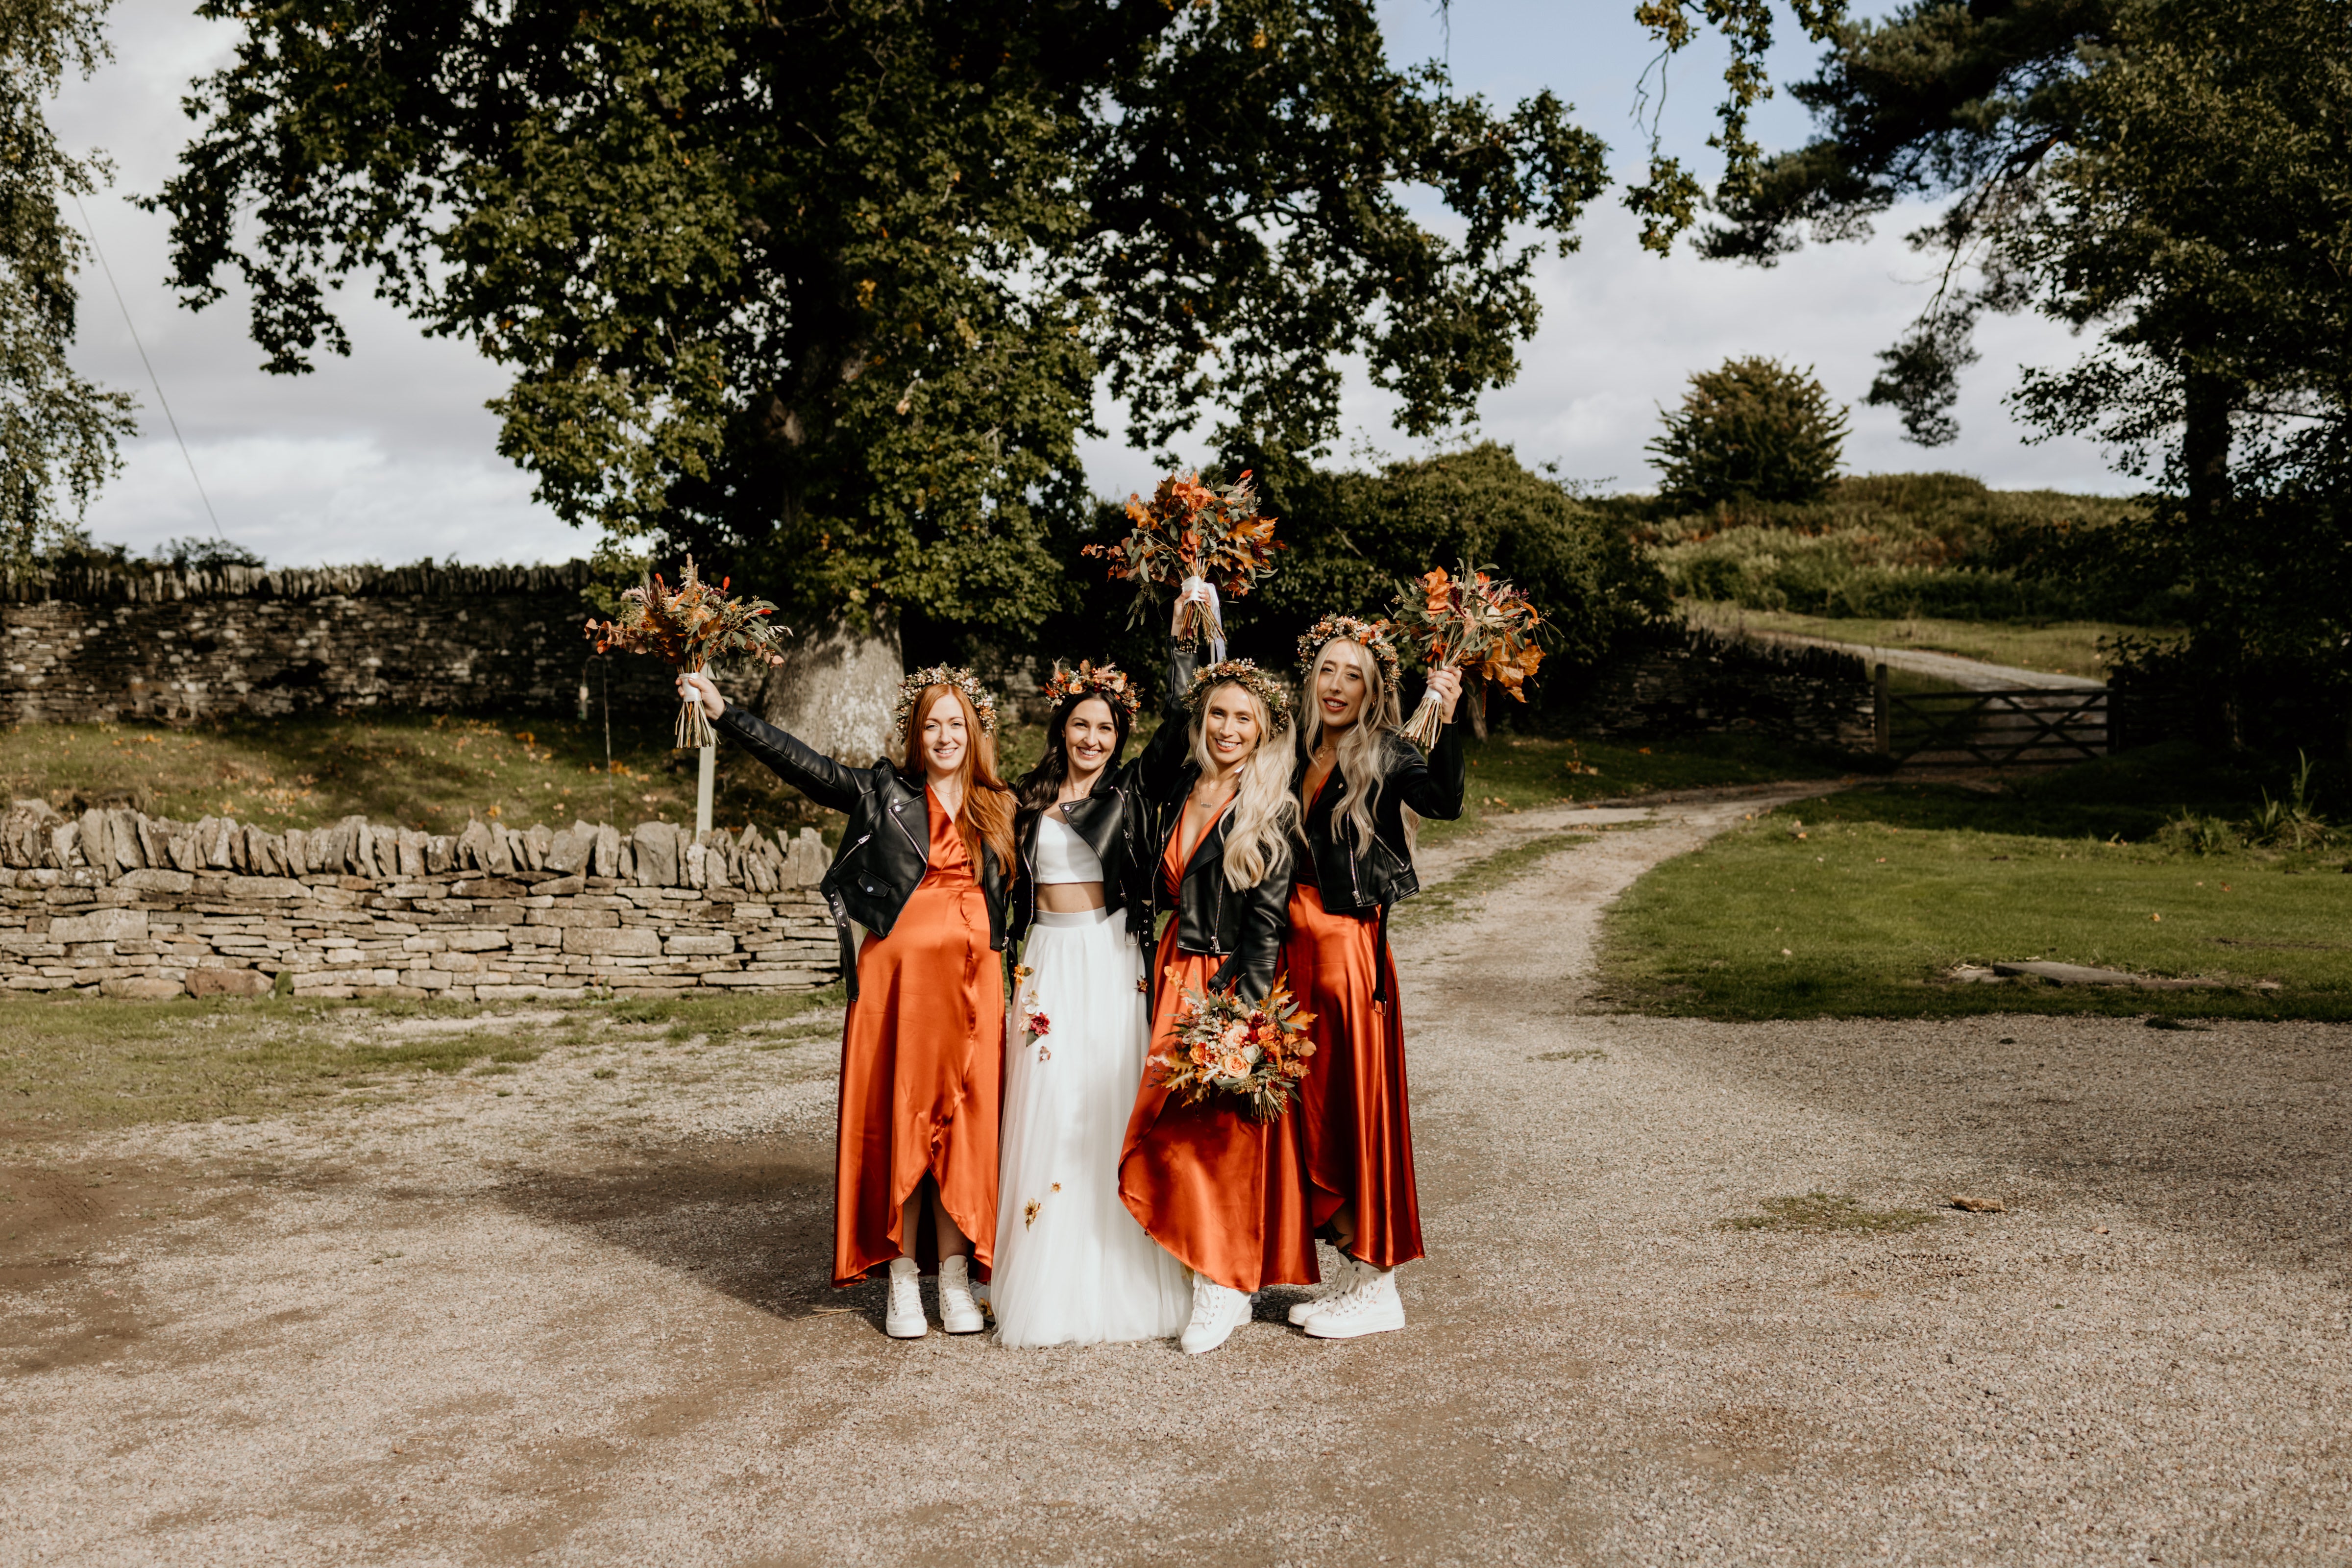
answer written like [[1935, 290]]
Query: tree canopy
[[58, 431], [1751, 430], [827, 287]]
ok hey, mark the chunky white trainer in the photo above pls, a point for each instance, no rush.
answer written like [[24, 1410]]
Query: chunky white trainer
[[1346, 1275], [958, 1313], [903, 1318], [1217, 1312], [1371, 1306]]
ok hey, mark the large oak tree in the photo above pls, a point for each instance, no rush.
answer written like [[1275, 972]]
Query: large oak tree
[[822, 289]]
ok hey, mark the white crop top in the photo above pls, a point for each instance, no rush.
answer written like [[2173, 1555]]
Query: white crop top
[[1062, 855]]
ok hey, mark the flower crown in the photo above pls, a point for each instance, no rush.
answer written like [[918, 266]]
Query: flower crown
[[1372, 636], [963, 681], [1109, 683], [1245, 674]]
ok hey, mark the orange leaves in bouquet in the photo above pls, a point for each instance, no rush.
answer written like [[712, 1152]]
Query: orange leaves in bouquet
[[1473, 621], [1254, 1051], [690, 625], [1188, 529]]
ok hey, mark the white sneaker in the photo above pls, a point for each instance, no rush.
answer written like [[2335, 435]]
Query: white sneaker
[[958, 1313], [903, 1320], [1331, 1290], [1371, 1306], [1217, 1312]]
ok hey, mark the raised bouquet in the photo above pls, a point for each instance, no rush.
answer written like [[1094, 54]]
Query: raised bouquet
[[1255, 1051], [1474, 623], [688, 627], [1189, 534]]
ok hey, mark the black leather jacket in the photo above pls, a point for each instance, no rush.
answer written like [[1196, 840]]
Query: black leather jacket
[[1116, 823], [885, 849], [1243, 926], [1359, 881]]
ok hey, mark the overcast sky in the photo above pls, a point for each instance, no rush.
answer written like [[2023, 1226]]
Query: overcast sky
[[390, 456]]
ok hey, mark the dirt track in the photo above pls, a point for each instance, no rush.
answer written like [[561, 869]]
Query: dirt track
[[588, 1322]]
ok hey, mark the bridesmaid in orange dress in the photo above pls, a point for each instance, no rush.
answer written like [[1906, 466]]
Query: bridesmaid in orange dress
[[922, 1050], [1223, 1192], [1357, 777]]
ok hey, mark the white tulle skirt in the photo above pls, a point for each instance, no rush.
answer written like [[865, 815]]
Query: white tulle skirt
[[1072, 1266]]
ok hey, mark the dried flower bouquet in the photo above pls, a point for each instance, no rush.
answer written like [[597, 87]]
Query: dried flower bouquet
[[688, 627], [1474, 623], [1255, 1051], [1188, 533]]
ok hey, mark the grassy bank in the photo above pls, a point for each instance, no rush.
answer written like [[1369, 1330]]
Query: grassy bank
[[2059, 648], [78, 1065], [1510, 773], [433, 772], [1864, 903]]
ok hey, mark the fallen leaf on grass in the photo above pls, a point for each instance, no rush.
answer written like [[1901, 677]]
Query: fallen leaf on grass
[[1980, 1206]]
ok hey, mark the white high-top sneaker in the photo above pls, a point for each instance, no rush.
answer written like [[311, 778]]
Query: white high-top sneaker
[[1217, 1312], [903, 1319], [1342, 1278], [958, 1313], [1371, 1306]]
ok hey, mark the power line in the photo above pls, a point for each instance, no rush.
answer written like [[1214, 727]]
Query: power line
[[152, 379]]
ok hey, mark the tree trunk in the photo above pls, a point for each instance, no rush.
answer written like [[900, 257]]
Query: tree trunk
[[2205, 453], [835, 690]]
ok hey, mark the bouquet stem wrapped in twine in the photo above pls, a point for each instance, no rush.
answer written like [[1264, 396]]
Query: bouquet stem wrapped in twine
[[1474, 623], [688, 626]]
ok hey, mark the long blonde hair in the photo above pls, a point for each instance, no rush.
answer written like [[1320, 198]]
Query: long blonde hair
[[1265, 814], [986, 814], [1362, 750]]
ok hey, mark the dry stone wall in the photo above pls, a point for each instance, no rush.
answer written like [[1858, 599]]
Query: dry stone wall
[[182, 646], [123, 904]]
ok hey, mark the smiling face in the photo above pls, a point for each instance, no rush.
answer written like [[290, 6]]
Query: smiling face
[[1230, 725], [945, 735], [1091, 737], [1342, 683]]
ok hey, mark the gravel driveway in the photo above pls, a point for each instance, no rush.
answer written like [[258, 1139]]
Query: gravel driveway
[[587, 1322]]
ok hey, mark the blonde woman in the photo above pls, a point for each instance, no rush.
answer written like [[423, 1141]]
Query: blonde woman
[[923, 866], [1223, 1193], [1357, 776]]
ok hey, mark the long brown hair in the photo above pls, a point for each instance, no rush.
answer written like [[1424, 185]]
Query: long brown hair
[[986, 814]]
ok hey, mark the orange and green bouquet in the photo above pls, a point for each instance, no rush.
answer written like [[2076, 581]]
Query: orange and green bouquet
[[1255, 1051], [688, 627], [1476, 623], [1188, 532]]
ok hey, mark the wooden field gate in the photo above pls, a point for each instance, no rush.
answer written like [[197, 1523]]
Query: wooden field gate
[[2012, 727]]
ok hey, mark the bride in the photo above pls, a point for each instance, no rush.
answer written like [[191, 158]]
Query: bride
[[1071, 1264]]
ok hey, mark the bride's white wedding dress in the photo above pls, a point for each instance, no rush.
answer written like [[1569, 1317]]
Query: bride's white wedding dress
[[1071, 1265]]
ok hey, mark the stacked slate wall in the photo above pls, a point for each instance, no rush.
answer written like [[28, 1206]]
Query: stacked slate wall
[[123, 904], [181, 645], [1689, 682]]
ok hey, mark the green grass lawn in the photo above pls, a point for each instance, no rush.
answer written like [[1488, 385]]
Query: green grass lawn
[[82, 1064], [1511, 773], [2061, 648], [433, 772], [1863, 902]]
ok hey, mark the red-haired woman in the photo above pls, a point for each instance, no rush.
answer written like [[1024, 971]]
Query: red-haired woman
[[1223, 1193], [922, 867], [1357, 776]]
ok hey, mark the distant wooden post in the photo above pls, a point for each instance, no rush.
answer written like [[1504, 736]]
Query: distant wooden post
[[707, 776], [1882, 714]]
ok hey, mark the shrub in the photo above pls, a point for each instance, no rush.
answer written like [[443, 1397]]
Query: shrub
[[1755, 430]]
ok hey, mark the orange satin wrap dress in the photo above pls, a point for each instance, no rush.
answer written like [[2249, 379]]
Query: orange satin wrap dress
[[1352, 1110], [1222, 1192], [923, 1069]]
